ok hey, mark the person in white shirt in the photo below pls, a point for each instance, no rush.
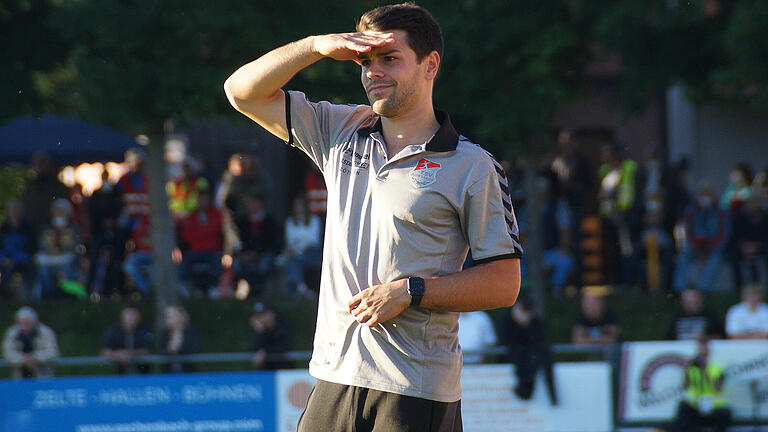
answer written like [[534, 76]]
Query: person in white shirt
[[748, 319], [302, 246], [475, 333]]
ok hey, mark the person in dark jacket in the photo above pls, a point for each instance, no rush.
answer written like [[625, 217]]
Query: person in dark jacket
[[260, 242], [523, 333], [127, 341], [270, 338]]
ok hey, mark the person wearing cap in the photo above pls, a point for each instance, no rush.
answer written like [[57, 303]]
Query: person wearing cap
[[30, 346], [408, 196]]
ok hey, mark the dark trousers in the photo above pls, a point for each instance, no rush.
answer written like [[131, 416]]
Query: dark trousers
[[689, 419], [342, 408]]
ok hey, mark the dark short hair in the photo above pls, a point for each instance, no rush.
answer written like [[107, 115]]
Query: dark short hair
[[424, 35]]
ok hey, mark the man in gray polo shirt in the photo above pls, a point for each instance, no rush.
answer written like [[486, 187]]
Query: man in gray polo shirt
[[407, 198]]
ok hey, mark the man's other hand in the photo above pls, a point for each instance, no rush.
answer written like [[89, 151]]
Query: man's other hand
[[380, 303]]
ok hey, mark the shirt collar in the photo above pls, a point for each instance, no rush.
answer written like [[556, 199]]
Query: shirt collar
[[445, 139]]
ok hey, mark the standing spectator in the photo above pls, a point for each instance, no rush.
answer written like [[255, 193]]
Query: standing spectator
[[269, 338], [575, 183], [597, 325], [748, 242], [225, 202], [177, 337], [475, 333], [16, 248], [127, 341], [705, 233], [56, 258], [693, 320], [30, 346], [748, 319], [523, 333], [617, 206], [302, 245], [42, 189], [704, 403], [138, 264], [105, 251], [253, 181], [260, 239], [134, 187], [556, 234], [201, 234], [656, 249], [738, 190], [571, 169], [183, 191]]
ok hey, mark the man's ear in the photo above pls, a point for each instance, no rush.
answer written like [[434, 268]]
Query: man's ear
[[433, 64]]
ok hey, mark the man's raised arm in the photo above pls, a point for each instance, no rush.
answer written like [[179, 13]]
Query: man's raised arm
[[255, 89]]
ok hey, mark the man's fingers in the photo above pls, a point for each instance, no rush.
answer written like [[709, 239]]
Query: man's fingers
[[354, 301]]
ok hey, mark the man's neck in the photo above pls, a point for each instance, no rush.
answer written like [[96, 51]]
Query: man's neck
[[413, 128]]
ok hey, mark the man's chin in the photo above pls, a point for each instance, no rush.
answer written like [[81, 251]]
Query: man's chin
[[380, 107]]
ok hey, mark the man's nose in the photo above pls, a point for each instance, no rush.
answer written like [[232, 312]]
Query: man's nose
[[374, 70]]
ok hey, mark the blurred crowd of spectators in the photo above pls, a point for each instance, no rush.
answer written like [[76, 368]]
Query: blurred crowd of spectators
[[31, 347], [642, 223], [55, 242]]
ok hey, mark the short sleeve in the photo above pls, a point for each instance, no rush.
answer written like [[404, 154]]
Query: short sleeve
[[316, 127], [731, 322], [489, 219]]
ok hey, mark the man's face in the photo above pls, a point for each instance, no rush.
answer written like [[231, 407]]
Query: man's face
[[393, 78], [592, 306], [691, 301], [27, 324], [130, 318]]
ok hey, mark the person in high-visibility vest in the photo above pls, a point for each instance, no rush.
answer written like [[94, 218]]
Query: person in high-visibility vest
[[704, 403]]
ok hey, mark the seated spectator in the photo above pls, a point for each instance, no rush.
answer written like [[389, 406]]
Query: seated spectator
[[138, 264], [16, 249], [30, 346], [43, 188], [704, 403], [748, 319], [260, 243], [597, 325], [201, 237], [522, 331], [706, 227], [177, 337], [269, 339], [56, 258], [302, 246], [316, 191], [476, 333], [693, 320], [127, 341]]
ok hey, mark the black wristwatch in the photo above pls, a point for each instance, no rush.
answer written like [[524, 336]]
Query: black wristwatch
[[416, 290]]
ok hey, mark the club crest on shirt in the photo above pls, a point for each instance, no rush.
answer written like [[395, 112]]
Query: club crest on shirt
[[424, 173]]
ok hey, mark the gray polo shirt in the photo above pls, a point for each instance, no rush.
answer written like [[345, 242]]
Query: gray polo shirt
[[416, 214]]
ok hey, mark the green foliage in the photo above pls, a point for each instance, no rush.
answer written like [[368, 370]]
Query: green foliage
[[13, 181], [30, 46], [508, 63]]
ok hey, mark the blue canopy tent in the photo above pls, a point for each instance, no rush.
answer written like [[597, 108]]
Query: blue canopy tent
[[68, 141]]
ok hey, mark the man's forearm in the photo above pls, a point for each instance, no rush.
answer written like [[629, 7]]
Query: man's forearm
[[486, 286], [263, 77]]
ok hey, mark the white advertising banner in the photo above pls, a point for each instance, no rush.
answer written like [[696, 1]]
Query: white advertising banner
[[651, 380], [489, 404]]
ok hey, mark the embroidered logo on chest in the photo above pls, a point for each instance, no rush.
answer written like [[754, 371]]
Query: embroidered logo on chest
[[424, 174]]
